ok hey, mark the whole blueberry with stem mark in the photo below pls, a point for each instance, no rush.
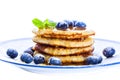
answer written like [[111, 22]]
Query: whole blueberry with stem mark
[[38, 58], [54, 61], [108, 52], [79, 24], [62, 25], [12, 53], [91, 60], [29, 50], [26, 57]]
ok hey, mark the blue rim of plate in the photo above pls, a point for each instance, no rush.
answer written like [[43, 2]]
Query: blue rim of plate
[[59, 67]]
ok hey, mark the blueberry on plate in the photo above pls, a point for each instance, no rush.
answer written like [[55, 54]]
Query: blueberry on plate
[[108, 52], [54, 61], [62, 25], [29, 50], [12, 53], [26, 57], [38, 58], [100, 59], [93, 60], [80, 24]]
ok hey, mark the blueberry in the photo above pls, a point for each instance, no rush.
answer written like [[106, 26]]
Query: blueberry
[[93, 60], [26, 57], [12, 53], [74, 21], [70, 23], [38, 58], [54, 61], [108, 52], [62, 26], [100, 59], [80, 24], [29, 50]]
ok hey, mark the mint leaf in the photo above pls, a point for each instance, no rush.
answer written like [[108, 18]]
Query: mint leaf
[[46, 23], [38, 23], [52, 24], [49, 24]]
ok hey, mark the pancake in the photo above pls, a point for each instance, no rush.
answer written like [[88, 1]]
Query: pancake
[[71, 59], [70, 41], [51, 50], [68, 34], [64, 43]]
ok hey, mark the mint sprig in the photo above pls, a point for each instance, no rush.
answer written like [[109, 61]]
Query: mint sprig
[[38, 23], [44, 24]]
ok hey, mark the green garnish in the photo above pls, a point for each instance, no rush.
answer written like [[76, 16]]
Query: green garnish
[[44, 24]]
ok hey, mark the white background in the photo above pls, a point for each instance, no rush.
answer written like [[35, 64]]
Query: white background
[[103, 16]]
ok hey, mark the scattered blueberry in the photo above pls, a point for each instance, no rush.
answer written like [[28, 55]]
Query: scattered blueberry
[[93, 60], [54, 61], [29, 50], [80, 24], [100, 59], [38, 58], [62, 25], [12, 53], [108, 52], [26, 57]]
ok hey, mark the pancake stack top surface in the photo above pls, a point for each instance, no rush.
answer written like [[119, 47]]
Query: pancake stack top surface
[[68, 41]]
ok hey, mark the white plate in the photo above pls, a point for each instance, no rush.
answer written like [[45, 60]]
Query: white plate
[[21, 44]]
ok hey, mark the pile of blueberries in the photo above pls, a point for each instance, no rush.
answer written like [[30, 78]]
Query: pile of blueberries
[[28, 57], [64, 25]]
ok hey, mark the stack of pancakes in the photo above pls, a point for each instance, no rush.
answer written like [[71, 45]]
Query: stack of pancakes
[[71, 46]]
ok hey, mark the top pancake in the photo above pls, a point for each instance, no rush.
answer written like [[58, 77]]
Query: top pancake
[[60, 34]]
